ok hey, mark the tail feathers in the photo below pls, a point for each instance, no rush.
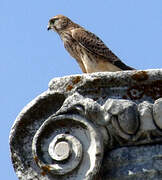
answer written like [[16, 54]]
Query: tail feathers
[[122, 66]]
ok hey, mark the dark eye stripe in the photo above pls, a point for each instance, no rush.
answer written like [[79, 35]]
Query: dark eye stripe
[[52, 21]]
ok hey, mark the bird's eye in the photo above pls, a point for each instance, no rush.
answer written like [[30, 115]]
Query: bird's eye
[[52, 21]]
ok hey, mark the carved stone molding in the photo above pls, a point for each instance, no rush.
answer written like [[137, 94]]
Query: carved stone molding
[[65, 132]]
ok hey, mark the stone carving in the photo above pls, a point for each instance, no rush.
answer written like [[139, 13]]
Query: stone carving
[[64, 142], [66, 131]]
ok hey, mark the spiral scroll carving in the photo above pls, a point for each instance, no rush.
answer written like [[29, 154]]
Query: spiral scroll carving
[[63, 142]]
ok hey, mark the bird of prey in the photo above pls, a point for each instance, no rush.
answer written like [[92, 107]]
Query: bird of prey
[[89, 50]]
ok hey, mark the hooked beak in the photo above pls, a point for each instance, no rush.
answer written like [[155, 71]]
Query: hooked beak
[[49, 28]]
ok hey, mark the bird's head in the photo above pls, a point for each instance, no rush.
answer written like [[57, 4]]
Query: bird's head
[[58, 23]]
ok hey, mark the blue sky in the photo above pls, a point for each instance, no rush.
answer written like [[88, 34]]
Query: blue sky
[[30, 55]]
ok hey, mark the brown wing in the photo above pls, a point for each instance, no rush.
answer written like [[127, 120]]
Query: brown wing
[[95, 45]]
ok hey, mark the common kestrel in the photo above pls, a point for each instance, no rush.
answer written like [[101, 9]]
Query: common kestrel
[[89, 50]]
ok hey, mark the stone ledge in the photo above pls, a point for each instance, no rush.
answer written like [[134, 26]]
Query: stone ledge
[[65, 132]]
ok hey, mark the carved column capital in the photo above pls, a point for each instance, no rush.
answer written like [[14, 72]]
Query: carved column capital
[[65, 132]]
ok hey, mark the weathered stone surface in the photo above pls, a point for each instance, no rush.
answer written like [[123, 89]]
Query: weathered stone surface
[[133, 163], [126, 113], [157, 111], [146, 116], [65, 132]]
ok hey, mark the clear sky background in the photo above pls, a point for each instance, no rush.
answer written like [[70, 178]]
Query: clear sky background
[[30, 56]]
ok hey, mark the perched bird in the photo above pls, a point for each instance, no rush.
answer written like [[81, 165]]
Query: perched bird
[[89, 50]]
